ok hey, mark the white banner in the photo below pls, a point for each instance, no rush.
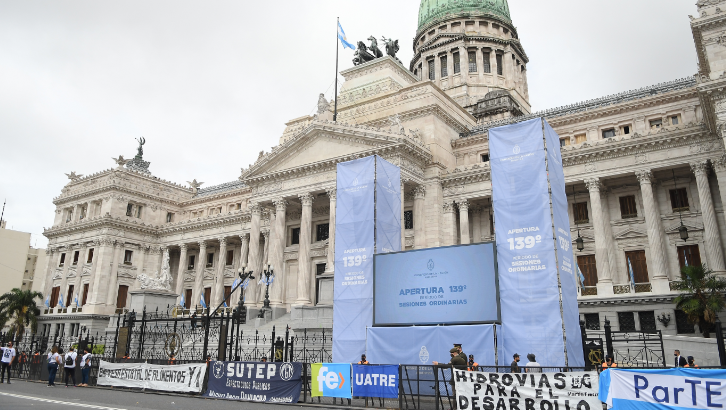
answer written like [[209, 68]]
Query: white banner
[[182, 378], [519, 391]]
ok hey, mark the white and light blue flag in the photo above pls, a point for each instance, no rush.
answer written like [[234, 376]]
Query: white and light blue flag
[[582, 277], [47, 301], [632, 275], [181, 302], [201, 300], [60, 301], [75, 300], [343, 39]]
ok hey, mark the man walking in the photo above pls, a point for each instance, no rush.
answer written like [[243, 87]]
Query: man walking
[[680, 360], [69, 367], [514, 367], [8, 356]]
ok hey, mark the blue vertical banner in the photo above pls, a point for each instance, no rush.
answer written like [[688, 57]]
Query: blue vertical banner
[[357, 228], [388, 207], [527, 252]]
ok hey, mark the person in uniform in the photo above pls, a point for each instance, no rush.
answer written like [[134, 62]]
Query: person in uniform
[[457, 346], [456, 360]]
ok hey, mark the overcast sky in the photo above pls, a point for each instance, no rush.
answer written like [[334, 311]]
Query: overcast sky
[[210, 84]]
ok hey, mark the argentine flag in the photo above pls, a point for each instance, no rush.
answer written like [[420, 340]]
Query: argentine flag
[[343, 39], [204, 304], [75, 300], [181, 303], [582, 277], [60, 301], [632, 275], [246, 283], [47, 301]]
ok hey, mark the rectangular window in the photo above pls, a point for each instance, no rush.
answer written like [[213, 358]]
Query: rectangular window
[[319, 268], [62, 259], [227, 292], [128, 255], [679, 200], [85, 294], [444, 67], [592, 321], [210, 260], [69, 295], [609, 133], [564, 142], [484, 157], [640, 268], [207, 296], [138, 211], [295, 236], [647, 321], [674, 120], [169, 217], [123, 292], [90, 256], [191, 261], [655, 124], [579, 139], [230, 257], [625, 129], [321, 232], [457, 63], [579, 211], [408, 219], [432, 70], [627, 321], [487, 63], [54, 296], [683, 326], [129, 209], [188, 298], [627, 207], [76, 255], [688, 255], [500, 65], [472, 61], [587, 266]]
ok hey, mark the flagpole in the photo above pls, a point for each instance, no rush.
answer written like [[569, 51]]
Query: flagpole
[[335, 94]]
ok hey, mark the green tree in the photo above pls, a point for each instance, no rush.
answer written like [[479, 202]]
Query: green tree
[[20, 307], [702, 296]]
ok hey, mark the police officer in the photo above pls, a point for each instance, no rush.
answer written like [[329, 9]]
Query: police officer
[[457, 346], [456, 359]]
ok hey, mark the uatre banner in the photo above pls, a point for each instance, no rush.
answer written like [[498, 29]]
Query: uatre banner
[[519, 391], [375, 381], [677, 388], [254, 381], [184, 378]]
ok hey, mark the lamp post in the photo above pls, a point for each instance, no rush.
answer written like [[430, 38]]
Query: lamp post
[[682, 230], [579, 241], [266, 305]]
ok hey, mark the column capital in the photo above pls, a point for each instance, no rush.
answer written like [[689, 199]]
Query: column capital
[[202, 245], [222, 241], [419, 192], [306, 199], [102, 241], [645, 176], [593, 184], [699, 167], [448, 207], [463, 204], [244, 237], [332, 192], [280, 204], [119, 244], [266, 233], [719, 164], [183, 246], [255, 208]]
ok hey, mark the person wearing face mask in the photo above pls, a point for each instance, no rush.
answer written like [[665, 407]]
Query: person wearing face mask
[[680, 360]]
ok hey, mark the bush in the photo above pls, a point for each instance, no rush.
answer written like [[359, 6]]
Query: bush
[[98, 349]]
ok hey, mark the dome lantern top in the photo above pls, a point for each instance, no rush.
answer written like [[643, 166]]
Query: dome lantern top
[[438, 10]]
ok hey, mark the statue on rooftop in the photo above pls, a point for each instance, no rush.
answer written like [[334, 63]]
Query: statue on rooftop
[[140, 153], [73, 176], [120, 161], [391, 47], [323, 104], [195, 185], [374, 47]]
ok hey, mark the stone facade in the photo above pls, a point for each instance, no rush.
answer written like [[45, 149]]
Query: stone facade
[[636, 164]]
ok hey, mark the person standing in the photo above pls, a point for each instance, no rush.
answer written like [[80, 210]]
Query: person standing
[[54, 361], [363, 359], [691, 362], [532, 366], [8, 356], [514, 367], [458, 348], [456, 360], [85, 367], [680, 360], [69, 367], [473, 365]]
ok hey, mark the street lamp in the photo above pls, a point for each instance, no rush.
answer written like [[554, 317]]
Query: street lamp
[[266, 306], [682, 230], [579, 241]]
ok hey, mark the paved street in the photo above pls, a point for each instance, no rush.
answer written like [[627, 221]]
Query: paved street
[[26, 395]]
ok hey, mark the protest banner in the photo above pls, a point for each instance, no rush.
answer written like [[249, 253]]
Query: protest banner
[[254, 381], [375, 381], [183, 378], [330, 380], [675, 388], [518, 391]]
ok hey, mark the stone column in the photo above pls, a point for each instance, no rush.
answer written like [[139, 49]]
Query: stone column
[[659, 273], [330, 262], [101, 273], [82, 256], [48, 271], [254, 255], [244, 251], [719, 166], [476, 224], [710, 228], [118, 252], [181, 270], [199, 276], [419, 217], [219, 283], [464, 221], [450, 67], [424, 69], [303, 275], [277, 259], [64, 278], [449, 224], [604, 280]]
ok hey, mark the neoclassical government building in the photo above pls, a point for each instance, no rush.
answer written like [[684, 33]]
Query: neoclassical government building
[[639, 166]]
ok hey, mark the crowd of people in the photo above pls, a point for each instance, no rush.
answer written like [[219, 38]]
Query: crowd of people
[[680, 361]]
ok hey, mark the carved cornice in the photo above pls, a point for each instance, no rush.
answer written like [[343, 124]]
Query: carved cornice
[[467, 40]]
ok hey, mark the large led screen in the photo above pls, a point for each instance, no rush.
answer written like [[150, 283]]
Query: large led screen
[[450, 285]]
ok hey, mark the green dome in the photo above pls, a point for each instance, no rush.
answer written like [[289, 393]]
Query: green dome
[[436, 10]]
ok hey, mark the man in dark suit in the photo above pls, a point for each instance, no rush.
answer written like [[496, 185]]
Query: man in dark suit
[[680, 360]]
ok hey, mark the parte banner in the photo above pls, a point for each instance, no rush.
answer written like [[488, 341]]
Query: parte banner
[[330, 380], [182, 378], [518, 391], [375, 381], [255, 381], [675, 388]]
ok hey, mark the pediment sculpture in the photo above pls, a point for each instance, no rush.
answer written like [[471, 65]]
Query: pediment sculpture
[[160, 281]]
